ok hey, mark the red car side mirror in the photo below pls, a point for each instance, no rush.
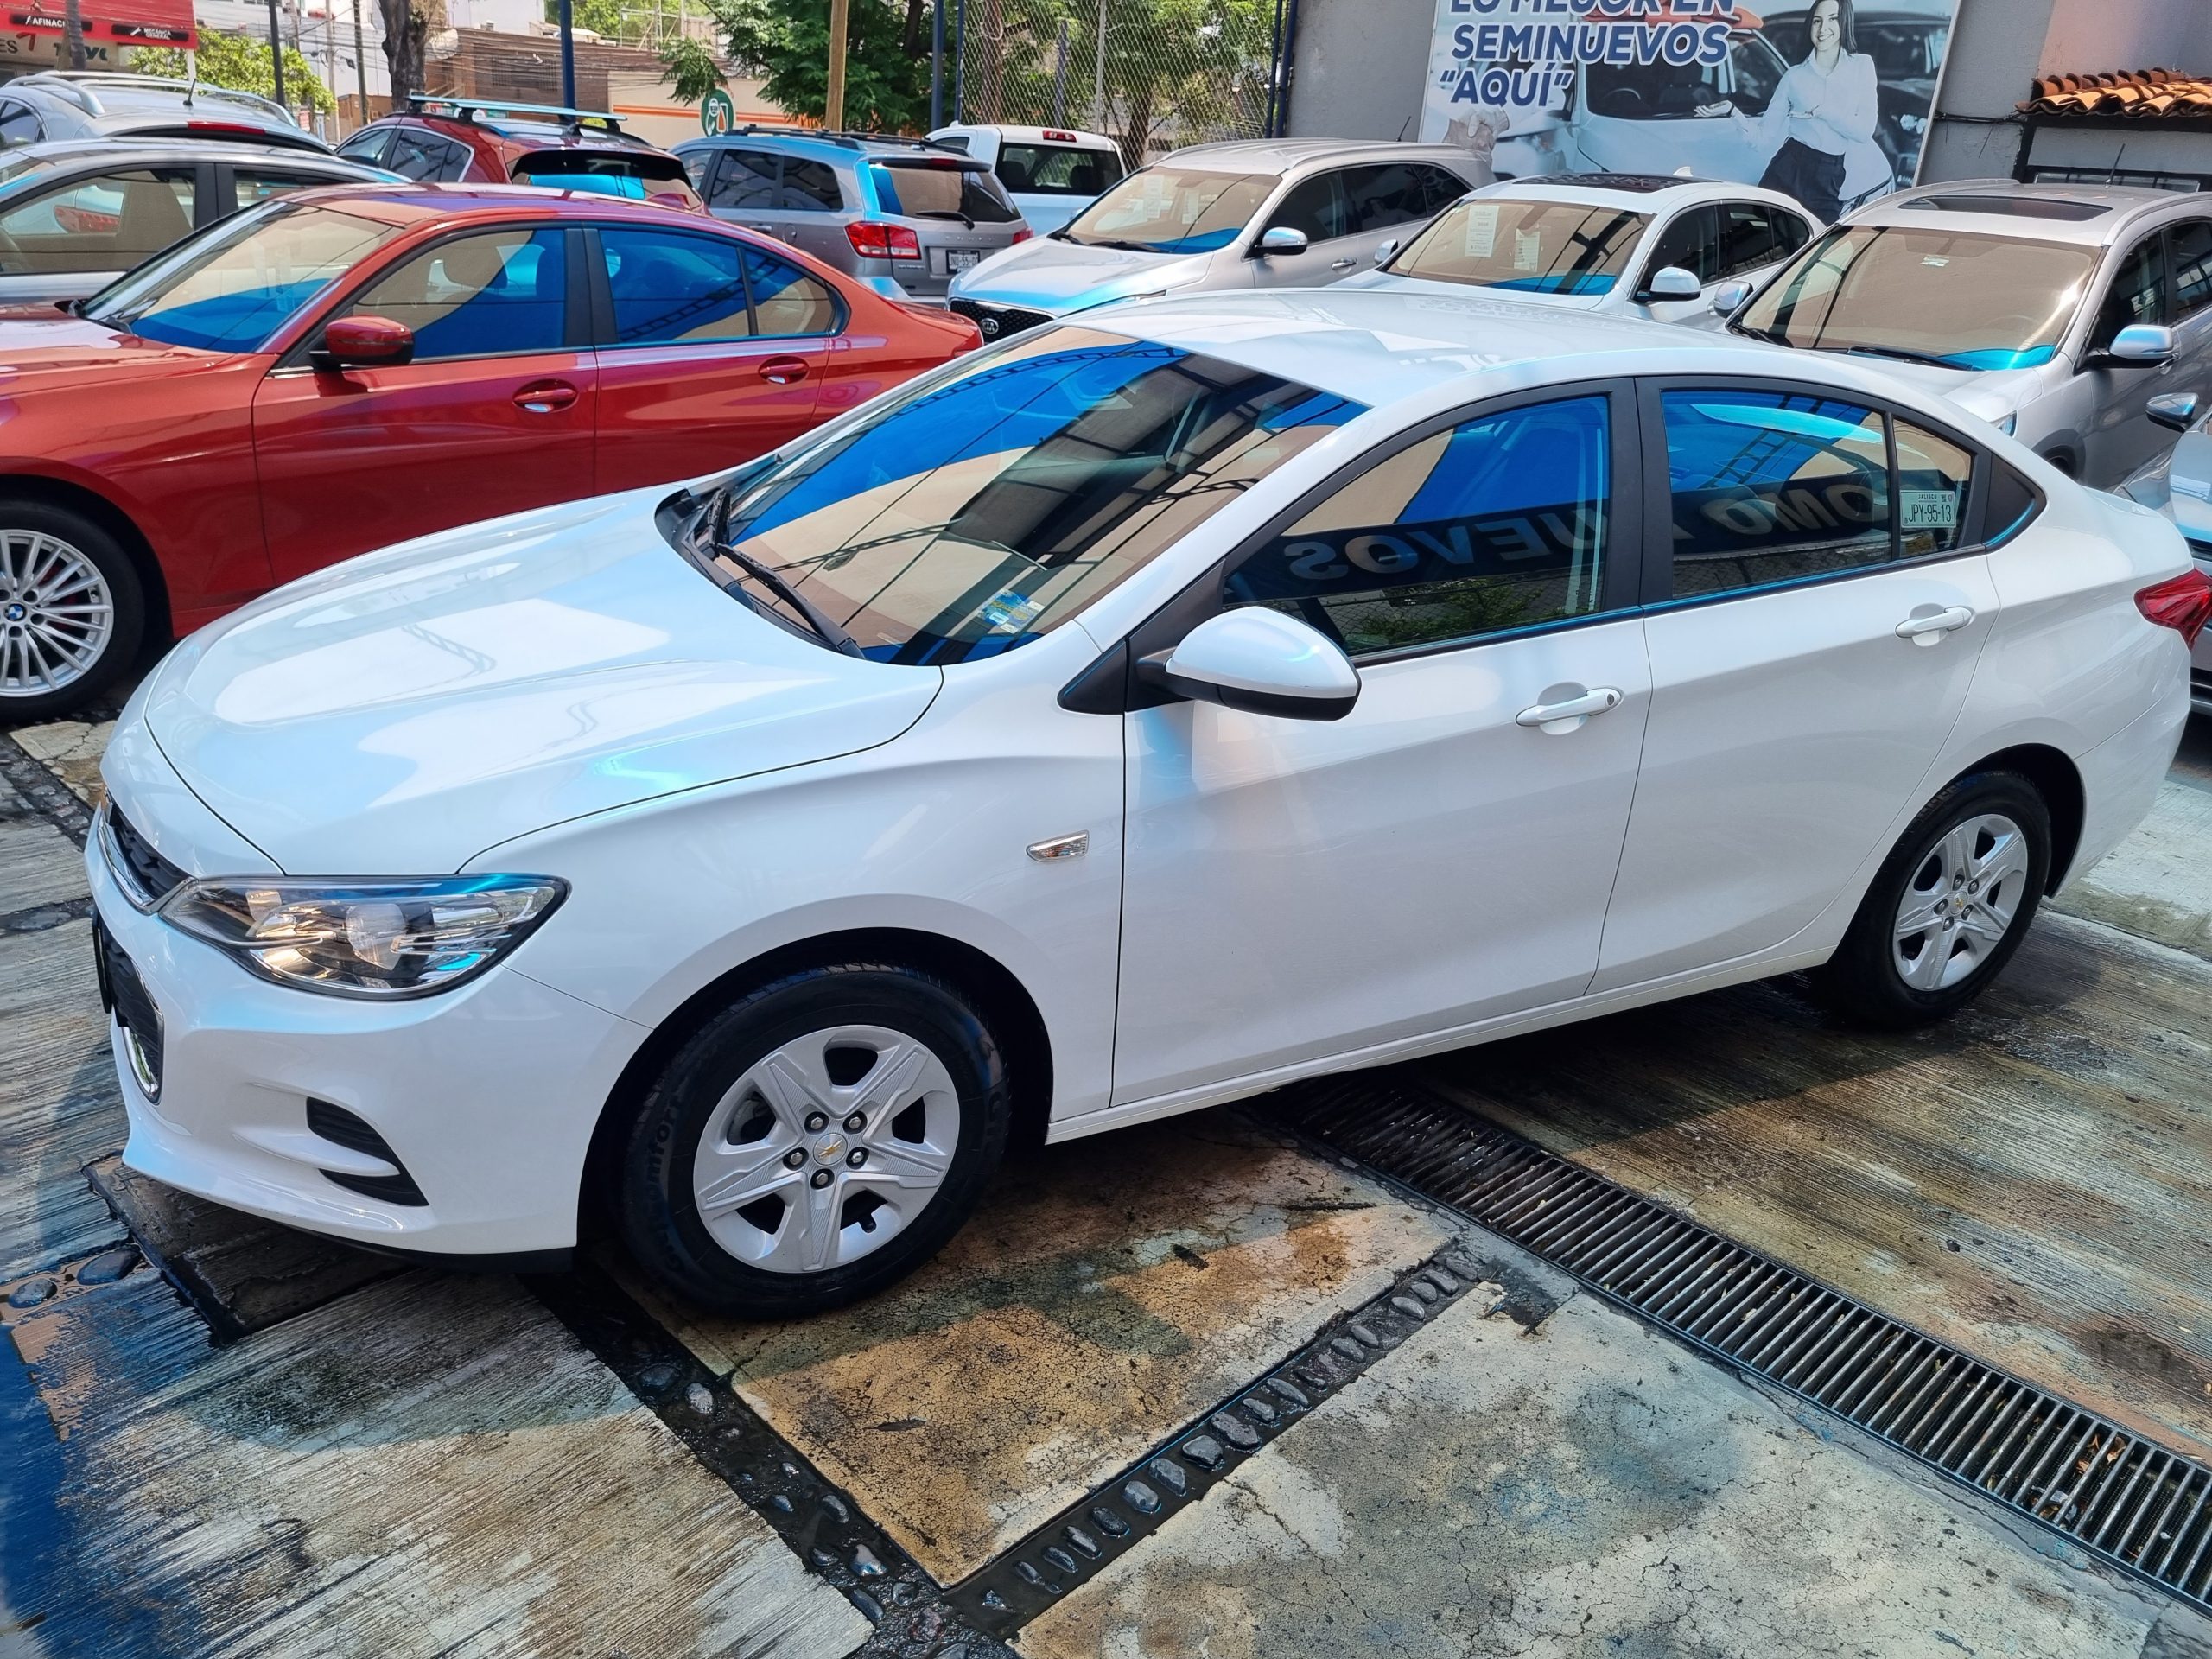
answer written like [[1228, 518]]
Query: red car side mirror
[[365, 343]]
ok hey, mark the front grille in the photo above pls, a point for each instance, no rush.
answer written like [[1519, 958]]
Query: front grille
[[997, 321], [2103, 1487], [345, 1128], [145, 872]]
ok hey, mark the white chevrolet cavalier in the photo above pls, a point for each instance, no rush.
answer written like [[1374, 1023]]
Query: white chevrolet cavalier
[[1136, 715]]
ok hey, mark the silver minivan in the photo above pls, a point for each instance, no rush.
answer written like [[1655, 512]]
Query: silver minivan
[[1288, 212], [2056, 312]]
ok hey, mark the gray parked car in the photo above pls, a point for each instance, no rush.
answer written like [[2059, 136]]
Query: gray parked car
[[103, 104], [1288, 212], [2055, 311], [904, 215], [77, 214], [2180, 485]]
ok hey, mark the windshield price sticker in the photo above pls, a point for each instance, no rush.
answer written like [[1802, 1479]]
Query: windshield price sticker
[[1527, 249], [1009, 612], [1482, 229], [1930, 509]]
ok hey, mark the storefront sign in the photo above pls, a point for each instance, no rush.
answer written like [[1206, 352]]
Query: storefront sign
[[717, 112], [122, 23]]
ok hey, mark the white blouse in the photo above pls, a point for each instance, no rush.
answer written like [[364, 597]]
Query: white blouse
[[1827, 112]]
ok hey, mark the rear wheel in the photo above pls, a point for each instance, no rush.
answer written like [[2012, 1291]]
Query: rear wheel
[[815, 1141], [1949, 905], [71, 610]]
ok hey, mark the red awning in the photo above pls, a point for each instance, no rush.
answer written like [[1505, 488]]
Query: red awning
[[127, 23]]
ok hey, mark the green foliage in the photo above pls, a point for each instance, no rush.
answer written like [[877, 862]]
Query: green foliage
[[886, 90], [603, 17], [690, 70], [241, 62]]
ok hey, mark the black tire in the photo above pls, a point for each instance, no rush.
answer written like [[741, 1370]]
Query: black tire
[[127, 595], [1865, 978], [656, 1209]]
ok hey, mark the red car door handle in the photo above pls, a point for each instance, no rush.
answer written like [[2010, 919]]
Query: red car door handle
[[783, 371], [545, 396]]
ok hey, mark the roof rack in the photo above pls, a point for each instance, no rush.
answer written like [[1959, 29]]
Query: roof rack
[[843, 140], [80, 86], [474, 109]]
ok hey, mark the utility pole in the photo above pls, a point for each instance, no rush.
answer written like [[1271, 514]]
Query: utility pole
[[73, 34], [959, 58], [276, 54], [1098, 76], [833, 102], [361, 70], [567, 54], [937, 64], [1060, 78]]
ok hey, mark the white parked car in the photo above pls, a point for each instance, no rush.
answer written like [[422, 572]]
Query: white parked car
[[1052, 173], [1632, 245], [2180, 485], [1136, 715]]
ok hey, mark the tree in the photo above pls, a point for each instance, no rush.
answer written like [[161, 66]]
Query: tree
[[886, 87], [407, 25], [241, 62], [689, 69]]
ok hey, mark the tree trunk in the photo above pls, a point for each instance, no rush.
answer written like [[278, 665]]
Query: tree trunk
[[911, 41], [406, 33]]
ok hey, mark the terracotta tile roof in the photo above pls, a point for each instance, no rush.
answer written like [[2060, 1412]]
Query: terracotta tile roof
[[2140, 94]]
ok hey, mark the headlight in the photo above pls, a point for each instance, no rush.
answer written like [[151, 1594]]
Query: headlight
[[375, 939]]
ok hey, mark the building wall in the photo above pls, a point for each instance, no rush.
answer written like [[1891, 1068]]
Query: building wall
[[2097, 36], [1356, 69]]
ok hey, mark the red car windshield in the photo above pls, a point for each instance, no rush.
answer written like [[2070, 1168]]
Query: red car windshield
[[231, 286]]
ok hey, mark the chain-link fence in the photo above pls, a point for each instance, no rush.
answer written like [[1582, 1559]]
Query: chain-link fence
[[1153, 74]]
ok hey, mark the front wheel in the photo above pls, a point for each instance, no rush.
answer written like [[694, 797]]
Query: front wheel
[[71, 610], [816, 1142], [1949, 905]]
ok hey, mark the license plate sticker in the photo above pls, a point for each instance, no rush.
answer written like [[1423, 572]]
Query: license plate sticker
[[962, 259], [1930, 509]]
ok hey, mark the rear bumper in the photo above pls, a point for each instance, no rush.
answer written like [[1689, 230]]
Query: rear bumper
[[2120, 779]]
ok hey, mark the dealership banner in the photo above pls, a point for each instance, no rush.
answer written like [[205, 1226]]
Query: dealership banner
[[1827, 101]]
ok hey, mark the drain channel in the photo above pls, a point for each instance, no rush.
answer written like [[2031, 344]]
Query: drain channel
[[2133, 1503]]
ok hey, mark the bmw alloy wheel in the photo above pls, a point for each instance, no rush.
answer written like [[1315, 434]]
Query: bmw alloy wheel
[[57, 614]]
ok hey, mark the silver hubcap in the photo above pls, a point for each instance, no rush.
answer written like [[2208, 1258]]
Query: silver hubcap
[[56, 614], [826, 1150], [1960, 902]]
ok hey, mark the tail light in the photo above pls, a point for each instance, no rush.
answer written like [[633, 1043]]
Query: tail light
[[874, 241], [1024, 234], [2183, 603]]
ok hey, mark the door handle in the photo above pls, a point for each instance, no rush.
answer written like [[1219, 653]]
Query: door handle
[[1928, 627], [545, 397], [1568, 714], [1342, 264], [783, 371]]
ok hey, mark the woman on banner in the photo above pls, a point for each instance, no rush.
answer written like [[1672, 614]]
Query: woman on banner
[[1820, 123]]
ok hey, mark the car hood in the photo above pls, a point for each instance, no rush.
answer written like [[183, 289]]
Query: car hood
[[2180, 485], [403, 712], [43, 341], [1045, 274], [1393, 281]]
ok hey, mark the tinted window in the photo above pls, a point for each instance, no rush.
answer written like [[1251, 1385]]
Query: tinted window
[[1384, 196], [1771, 487], [2138, 293], [810, 187], [423, 156], [1495, 524], [1934, 475], [1753, 235], [18, 124], [1054, 170], [941, 192], [1543, 246], [111, 222], [250, 187], [1319, 207], [1169, 210], [368, 146], [1691, 242], [2192, 257], [480, 295], [1975, 301], [697, 163], [668, 287], [976, 514], [785, 299], [747, 180]]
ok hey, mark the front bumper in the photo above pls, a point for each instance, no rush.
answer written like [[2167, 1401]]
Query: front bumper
[[486, 1095]]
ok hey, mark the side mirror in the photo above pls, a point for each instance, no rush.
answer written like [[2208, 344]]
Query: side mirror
[[2139, 345], [364, 343], [2176, 410], [1280, 239], [1386, 253], [1672, 283], [1260, 662], [1728, 296]]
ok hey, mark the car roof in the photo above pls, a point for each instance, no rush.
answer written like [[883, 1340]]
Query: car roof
[[1377, 346], [407, 205], [1637, 193], [831, 146], [2091, 215], [125, 148], [1288, 155], [1036, 135], [525, 132]]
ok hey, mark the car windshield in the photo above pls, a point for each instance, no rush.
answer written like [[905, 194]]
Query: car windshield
[[15, 169], [974, 515], [1533, 247], [942, 189], [230, 288], [1170, 210], [1968, 301]]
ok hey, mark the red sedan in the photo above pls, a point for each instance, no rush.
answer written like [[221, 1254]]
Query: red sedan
[[349, 367]]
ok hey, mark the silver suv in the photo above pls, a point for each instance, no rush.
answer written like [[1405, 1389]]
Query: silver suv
[[1291, 213], [102, 104], [904, 215], [2054, 311]]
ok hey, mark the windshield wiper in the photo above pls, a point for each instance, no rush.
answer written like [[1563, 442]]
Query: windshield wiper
[[1901, 354], [827, 631], [1110, 242], [941, 212]]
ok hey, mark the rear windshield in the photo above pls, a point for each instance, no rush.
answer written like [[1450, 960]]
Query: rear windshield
[[1965, 300], [229, 288], [598, 163], [1534, 247], [942, 190], [976, 514], [1057, 169]]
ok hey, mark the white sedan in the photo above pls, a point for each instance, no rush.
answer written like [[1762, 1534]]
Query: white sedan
[[1135, 716], [1670, 250]]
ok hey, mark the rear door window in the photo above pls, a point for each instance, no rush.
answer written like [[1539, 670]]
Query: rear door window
[[425, 157], [1753, 235], [252, 186], [368, 146], [108, 222], [1381, 197], [2191, 244], [670, 289], [809, 188], [748, 180]]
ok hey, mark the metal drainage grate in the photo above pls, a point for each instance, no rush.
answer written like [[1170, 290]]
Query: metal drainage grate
[[1114, 1518], [2131, 1501]]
